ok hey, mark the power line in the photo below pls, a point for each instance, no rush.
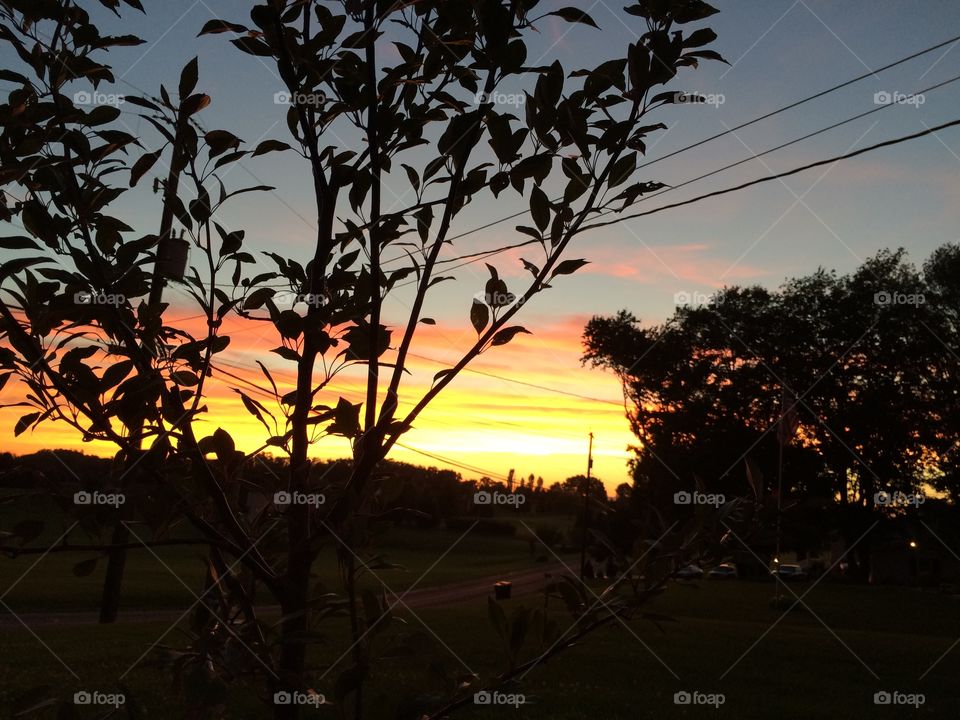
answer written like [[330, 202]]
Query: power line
[[524, 383], [798, 103], [489, 473], [748, 123], [485, 373], [756, 156], [471, 258], [440, 458], [778, 176]]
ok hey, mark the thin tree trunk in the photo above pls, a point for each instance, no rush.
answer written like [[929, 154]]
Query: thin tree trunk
[[113, 580]]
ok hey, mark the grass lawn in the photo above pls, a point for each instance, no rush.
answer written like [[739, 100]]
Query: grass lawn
[[722, 642], [164, 577]]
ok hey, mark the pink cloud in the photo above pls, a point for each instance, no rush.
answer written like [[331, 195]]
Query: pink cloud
[[690, 263]]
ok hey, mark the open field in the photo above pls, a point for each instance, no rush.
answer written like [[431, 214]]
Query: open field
[[817, 663], [166, 577]]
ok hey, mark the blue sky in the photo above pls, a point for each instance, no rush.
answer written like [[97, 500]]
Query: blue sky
[[780, 51]]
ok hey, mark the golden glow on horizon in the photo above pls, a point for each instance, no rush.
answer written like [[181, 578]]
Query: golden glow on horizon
[[480, 421]]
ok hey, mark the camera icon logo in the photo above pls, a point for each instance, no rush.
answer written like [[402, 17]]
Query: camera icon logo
[[82, 698], [882, 98], [82, 97], [682, 698], [282, 697], [82, 498], [496, 299], [83, 298], [682, 498], [483, 497], [282, 98], [482, 698], [282, 498], [882, 698]]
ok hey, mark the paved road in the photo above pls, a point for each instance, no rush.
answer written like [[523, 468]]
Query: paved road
[[525, 582]]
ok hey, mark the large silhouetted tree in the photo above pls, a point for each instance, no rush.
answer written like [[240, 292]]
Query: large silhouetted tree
[[861, 365]]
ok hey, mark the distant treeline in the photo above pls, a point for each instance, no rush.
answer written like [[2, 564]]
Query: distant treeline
[[424, 496]]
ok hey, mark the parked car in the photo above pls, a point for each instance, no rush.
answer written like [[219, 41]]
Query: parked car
[[788, 571], [690, 572], [724, 571]]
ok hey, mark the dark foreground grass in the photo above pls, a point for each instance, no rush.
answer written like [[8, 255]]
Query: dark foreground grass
[[826, 662]]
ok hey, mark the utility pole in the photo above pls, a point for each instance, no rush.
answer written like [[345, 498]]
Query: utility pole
[[785, 431], [586, 510]]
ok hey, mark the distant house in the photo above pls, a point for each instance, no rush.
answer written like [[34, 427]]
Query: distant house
[[907, 553], [903, 565]]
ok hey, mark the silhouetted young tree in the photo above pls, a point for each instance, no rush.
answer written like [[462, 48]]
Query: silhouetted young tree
[[121, 372]]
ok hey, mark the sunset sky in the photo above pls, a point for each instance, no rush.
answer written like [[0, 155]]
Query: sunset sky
[[530, 405]]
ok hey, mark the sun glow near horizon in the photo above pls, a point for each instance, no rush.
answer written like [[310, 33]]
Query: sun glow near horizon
[[504, 412]]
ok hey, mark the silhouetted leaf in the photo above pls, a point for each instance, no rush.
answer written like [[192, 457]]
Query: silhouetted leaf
[[213, 27], [575, 16], [24, 422], [699, 38], [540, 208], [568, 267], [18, 242], [142, 166], [479, 315], [188, 78], [707, 55], [684, 11], [194, 104], [270, 146], [502, 337]]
